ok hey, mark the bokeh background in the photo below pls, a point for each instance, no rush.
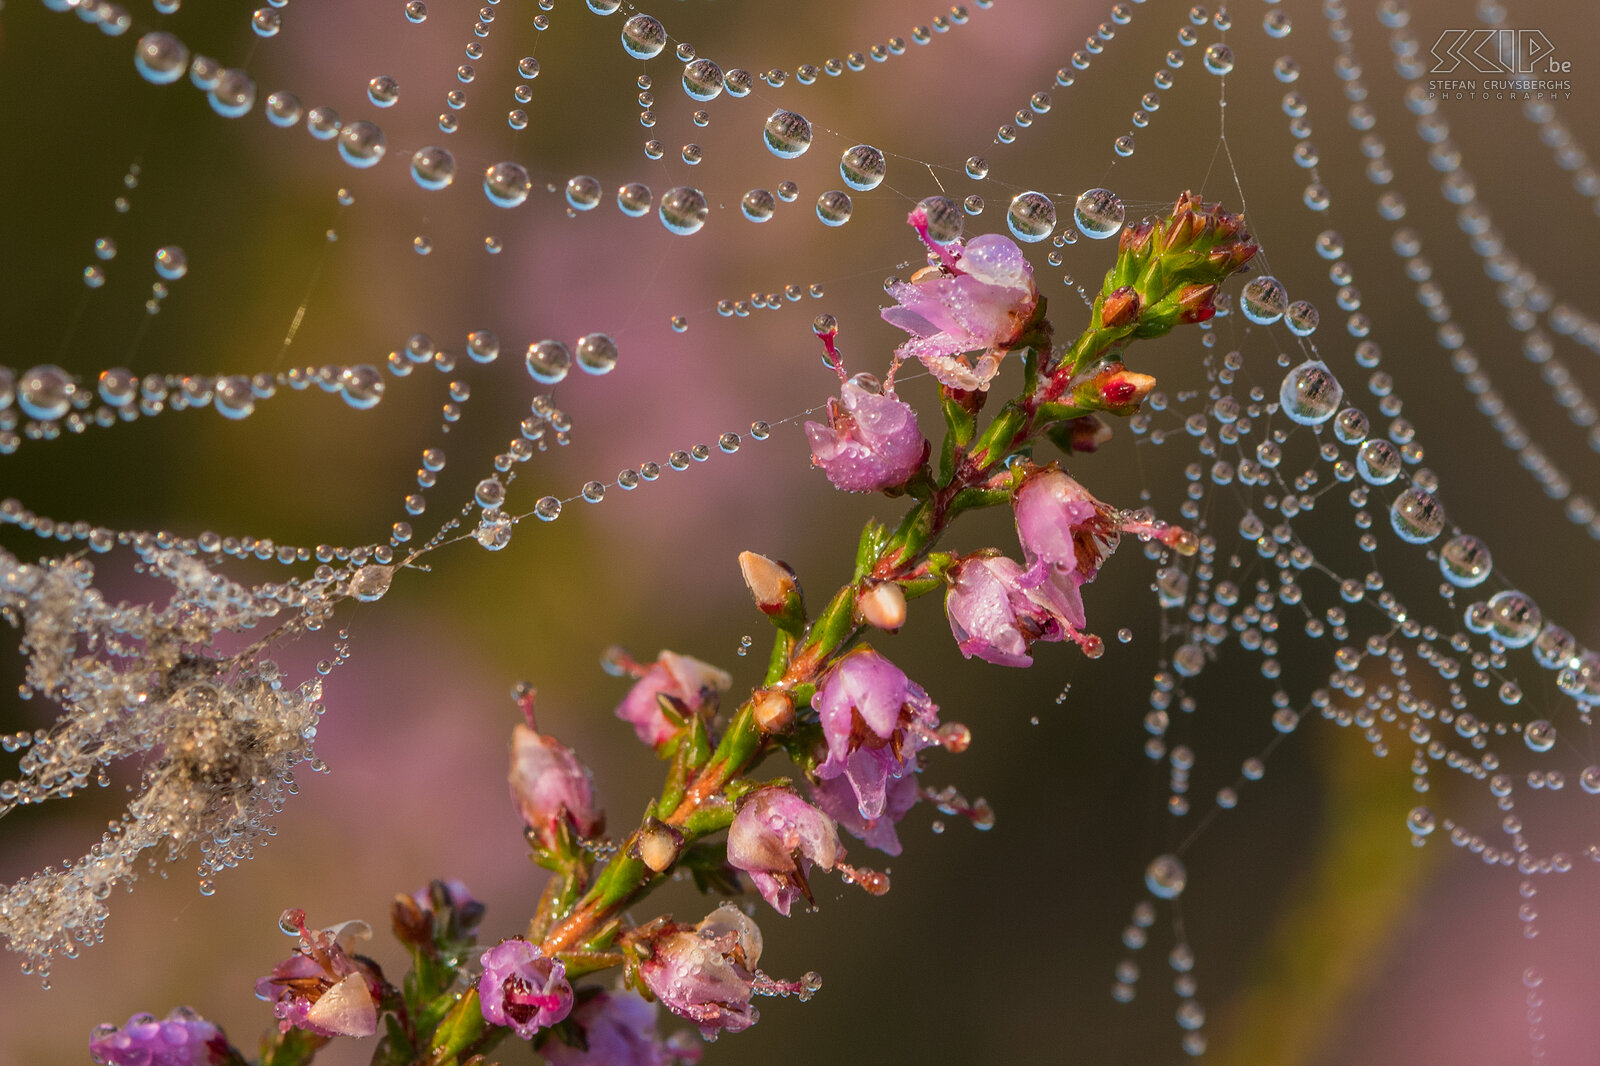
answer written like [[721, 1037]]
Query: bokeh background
[[1323, 937]]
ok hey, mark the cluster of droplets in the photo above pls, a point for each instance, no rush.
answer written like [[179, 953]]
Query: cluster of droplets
[[215, 736]]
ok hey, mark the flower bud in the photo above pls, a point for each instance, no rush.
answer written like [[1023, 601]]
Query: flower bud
[[883, 605], [774, 711], [550, 788], [769, 581], [658, 845], [1120, 307]]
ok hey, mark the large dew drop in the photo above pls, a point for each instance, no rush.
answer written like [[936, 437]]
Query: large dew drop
[[506, 184], [944, 219], [233, 94], [787, 134], [583, 192], [597, 354], [1378, 461], [1514, 618], [1099, 214], [362, 144], [633, 199], [433, 167], [758, 205], [1416, 516], [683, 210], [45, 392], [160, 58], [1465, 561], [862, 167], [361, 386], [834, 207], [1031, 217], [548, 362], [1165, 877], [702, 80], [1310, 394], [1264, 300], [643, 37]]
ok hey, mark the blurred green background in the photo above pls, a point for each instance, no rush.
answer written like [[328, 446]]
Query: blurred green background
[[1322, 936]]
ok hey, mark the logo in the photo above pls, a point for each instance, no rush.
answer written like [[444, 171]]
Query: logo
[[1496, 52]]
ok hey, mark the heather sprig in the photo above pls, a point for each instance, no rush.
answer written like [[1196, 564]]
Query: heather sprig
[[853, 725]]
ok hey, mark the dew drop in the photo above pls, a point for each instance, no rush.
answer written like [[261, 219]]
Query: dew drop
[[787, 134], [1099, 213], [863, 167], [683, 210], [1031, 217]]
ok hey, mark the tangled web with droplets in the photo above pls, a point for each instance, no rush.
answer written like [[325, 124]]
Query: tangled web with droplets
[[1300, 479]]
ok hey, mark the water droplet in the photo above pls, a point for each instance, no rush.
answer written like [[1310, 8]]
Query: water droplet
[[787, 134], [1301, 317], [548, 509], [232, 94], [361, 144], [583, 192], [863, 167], [757, 205], [945, 220], [728, 442], [633, 199], [160, 58], [1310, 394], [361, 386], [45, 392], [702, 80], [1514, 618], [1264, 300], [506, 184], [683, 210], [1378, 462], [416, 11], [760, 430], [548, 361], [171, 262], [283, 109], [643, 37], [597, 354], [1166, 877], [1539, 735], [678, 460], [1031, 217], [1465, 561], [383, 91], [1099, 213], [1416, 516], [1219, 59], [833, 208]]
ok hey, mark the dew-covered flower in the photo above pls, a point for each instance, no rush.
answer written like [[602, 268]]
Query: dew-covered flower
[[871, 441], [323, 988], [690, 683], [1062, 528], [996, 616], [550, 788], [182, 1038], [874, 720], [980, 301], [775, 838], [619, 1029], [522, 988], [837, 799], [708, 973]]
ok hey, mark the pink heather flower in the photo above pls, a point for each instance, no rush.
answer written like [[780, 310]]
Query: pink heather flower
[[456, 894], [182, 1038], [871, 441], [997, 618], [978, 302], [619, 1029], [707, 974], [874, 720], [550, 787], [1062, 528], [775, 838], [689, 681], [838, 800], [322, 988], [523, 989]]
